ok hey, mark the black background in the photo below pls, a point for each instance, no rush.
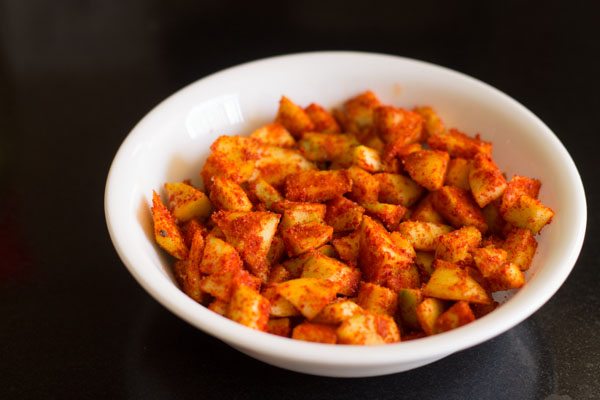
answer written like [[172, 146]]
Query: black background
[[76, 76]]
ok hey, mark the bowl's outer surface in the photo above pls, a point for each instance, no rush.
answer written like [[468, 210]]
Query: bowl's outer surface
[[172, 142]]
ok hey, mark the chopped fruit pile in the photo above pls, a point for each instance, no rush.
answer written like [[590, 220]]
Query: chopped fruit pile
[[361, 226]]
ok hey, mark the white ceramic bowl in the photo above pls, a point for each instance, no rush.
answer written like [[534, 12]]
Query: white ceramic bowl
[[172, 141]]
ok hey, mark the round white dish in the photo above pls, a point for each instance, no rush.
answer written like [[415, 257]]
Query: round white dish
[[172, 142]]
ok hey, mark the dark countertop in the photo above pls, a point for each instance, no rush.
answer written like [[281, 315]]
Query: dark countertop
[[76, 76]]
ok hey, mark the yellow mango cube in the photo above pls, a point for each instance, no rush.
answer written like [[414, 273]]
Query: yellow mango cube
[[337, 312], [485, 180], [251, 235], [166, 232], [427, 167], [308, 295], [274, 134], [249, 308], [227, 195], [186, 202], [377, 299], [311, 332], [321, 266], [293, 118], [450, 282], [423, 235]]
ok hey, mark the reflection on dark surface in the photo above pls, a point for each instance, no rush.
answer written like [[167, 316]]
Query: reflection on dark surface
[[16, 261], [75, 77], [160, 361]]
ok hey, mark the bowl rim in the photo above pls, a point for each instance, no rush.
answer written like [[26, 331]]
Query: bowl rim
[[497, 322]]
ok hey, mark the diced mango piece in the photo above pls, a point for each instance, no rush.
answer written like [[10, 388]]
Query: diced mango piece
[[389, 214], [276, 251], [520, 246], [387, 328], [432, 123], [343, 214], [279, 327], [337, 312], [347, 247], [357, 115], [277, 163], [219, 306], [304, 237], [249, 308], [365, 187], [457, 144], [428, 313], [492, 240], [264, 192], [216, 232], [279, 274], [457, 173], [518, 186], [317, 186], [274, 134], [189, 229], [456, 246], [327, 250], [404, 245], [397, 125], [393, 152], [196, 250], [493, 217], [381, 260], [367, 158], [312, 332], [344, 277], [193, 264], [190, 280], [450, 282], [373, 141], [425, 212], [187, 202], [423, 235], [227, 195], [295, 213], [529, 213], [368, 329], [232, 157], [280, 306], [295, 265], [507, 277], [219, 284], [377, 299], [485, 180], [456, 316], [166, 232], [479, 310], [405, 276], [179, 271], [408, 300], [317, 146], [489, 260], [251, 235], [398, 189], [308, 295], [424, 262], [322, 120], [293, 118], [458, 207], [427, 167]]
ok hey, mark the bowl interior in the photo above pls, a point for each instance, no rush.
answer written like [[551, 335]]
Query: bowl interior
[[172, 142]]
